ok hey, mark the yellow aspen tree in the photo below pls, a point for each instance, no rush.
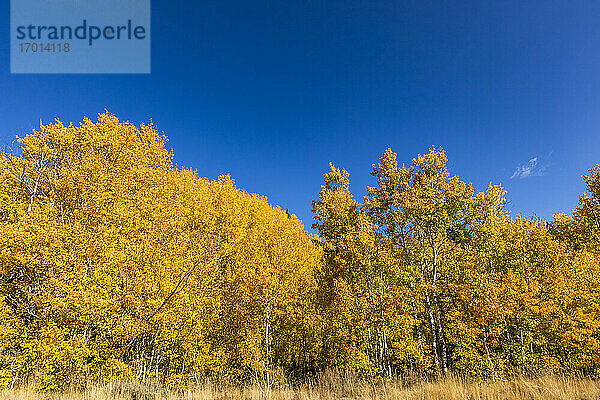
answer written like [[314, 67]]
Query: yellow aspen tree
[[117, 262]]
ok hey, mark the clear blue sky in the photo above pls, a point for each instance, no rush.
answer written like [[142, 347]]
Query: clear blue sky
[[272, 91]]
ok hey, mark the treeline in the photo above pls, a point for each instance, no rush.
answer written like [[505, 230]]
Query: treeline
[[117, 263]]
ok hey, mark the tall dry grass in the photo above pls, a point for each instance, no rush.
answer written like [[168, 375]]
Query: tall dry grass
[[338, 388]]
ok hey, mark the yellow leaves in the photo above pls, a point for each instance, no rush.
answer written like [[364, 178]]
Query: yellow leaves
[[487, 294], [116, 262], [134, 265], [582, 229]]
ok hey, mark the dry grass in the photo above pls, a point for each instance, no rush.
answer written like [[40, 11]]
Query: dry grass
[[545, 388]]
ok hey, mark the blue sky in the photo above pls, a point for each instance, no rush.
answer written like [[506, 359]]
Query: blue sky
[[272, 91]]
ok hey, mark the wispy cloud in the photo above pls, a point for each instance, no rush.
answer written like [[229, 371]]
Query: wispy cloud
[[536, 166]]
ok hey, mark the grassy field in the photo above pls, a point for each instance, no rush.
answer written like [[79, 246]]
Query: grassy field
[[544, 388]]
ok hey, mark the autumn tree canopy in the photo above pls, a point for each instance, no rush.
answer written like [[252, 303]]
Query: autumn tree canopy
[[116, 262], [427, 275]]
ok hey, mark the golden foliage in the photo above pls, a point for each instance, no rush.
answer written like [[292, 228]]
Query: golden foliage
[[117, 263], [426, 275]]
